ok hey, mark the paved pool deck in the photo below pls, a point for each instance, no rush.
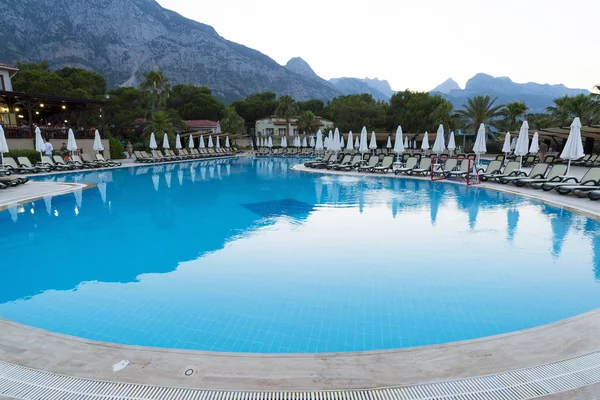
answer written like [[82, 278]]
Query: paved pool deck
[[34, 348]]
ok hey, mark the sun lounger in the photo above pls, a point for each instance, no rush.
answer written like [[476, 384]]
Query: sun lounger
[[385, 165], [493, 166], [556, 174], [372, 163], [449, 165], [322, 164], [461, 171], [11, 181], [593, 195], [345, 161], [409, 165], [529, 160], [537, 172], [591, 176], [100, 157], [495, 174], [58, 160], [424, 167], [11, 165], [356, 162], [60, 167], [24, 161]]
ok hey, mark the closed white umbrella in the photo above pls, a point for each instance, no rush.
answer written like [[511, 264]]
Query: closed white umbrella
[[336, 140], [480, 147], [298, 142], [326, 142], [439, 145], [357, 143], [406, 142], [218, 127], [201, 145], [178, 142], [522, 147], [97, 142], [330, 140], [3, 144], [513, 144], [191, 142], [341, 142], [398, 146], [506, 146], [227, 142], [165, 141], [210, 142], [283, 142], [373, 143], [388, 145], [290, 130], [304, 142], [350, 141], [451, 143], [218, 146], [71, 144], [153, 141], [312, 142], [363, 141], [573, 148], [39, 143], [425, 144], [270, 144], [535, 145], [319, 143]]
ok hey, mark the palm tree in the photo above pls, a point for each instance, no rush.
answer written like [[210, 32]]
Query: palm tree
[[442, 114], [306, 122], [287, 108], [156, 84], [568, 107], [161, 122], [232, 122], [512, 112], [480, 110]]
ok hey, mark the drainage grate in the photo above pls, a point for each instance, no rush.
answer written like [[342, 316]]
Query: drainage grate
[[26, 383]]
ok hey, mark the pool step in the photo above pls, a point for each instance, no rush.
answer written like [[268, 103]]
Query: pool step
[[31, 384]]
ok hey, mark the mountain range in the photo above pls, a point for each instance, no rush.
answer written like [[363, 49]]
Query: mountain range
[[536, 96], [123, 39]]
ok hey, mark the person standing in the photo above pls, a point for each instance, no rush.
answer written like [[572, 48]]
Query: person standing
[[49, 148], [129, 148], [543, 151]]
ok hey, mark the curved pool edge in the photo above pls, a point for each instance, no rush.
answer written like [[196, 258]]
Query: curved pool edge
[[37, 191], [35, 348], [583, 206]]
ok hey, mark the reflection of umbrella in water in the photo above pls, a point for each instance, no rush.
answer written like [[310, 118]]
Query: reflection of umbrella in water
[[435, 199], [513, 220], [48, 202], [78, 197], [168, 179], [318, 190], [219, 170], [203, 173], [12, 210], [102, 190], [228, 169], [211, 172], [193, 174], [560, 223], [155, 180], [180, 177], [395, 204]]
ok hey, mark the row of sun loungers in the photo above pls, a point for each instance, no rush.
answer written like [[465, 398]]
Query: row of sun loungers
[[23, 166], [184, 154]]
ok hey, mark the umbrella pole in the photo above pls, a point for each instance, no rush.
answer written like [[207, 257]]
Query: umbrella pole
[[568, 167]]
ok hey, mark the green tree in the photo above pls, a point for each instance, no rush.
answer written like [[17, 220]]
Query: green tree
[[540, 121], [480, 110], [156, 84], [352, 112], [231, 122], [91, 84], [193, 102], [126, 104], [511, 114], [315, 106], [287, 108], [307, 123], [419, 112], [161, 122], [566, 108], [256, 106]]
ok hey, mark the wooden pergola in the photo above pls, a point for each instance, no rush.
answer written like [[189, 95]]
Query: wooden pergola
[[559, 135]]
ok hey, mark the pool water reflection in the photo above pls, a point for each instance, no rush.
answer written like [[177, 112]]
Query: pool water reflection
[[247, 255]]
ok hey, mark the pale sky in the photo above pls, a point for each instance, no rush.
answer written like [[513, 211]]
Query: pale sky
[[417, 44]]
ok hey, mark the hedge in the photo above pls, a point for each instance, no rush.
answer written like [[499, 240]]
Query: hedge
[[33, 155], [116, 149]]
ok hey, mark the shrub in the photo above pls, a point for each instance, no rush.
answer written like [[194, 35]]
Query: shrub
[[138, 146], [116, 149], [31, 154]]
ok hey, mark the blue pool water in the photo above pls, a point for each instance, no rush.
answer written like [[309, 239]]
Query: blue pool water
[[248, 256]]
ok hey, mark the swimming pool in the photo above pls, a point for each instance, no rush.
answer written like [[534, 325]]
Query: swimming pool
[[246, 255]]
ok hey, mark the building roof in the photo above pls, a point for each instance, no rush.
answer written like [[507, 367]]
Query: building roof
[[201, 123], [20, 97], [8, 67]]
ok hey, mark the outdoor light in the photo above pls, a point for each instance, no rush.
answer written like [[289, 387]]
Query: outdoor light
[[49, 124], [42, 105], [37, 113], [64, 107], [17, 109], [20, 116], [66, 121]]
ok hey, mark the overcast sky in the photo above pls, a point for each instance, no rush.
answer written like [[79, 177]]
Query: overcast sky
[[417, 44]]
